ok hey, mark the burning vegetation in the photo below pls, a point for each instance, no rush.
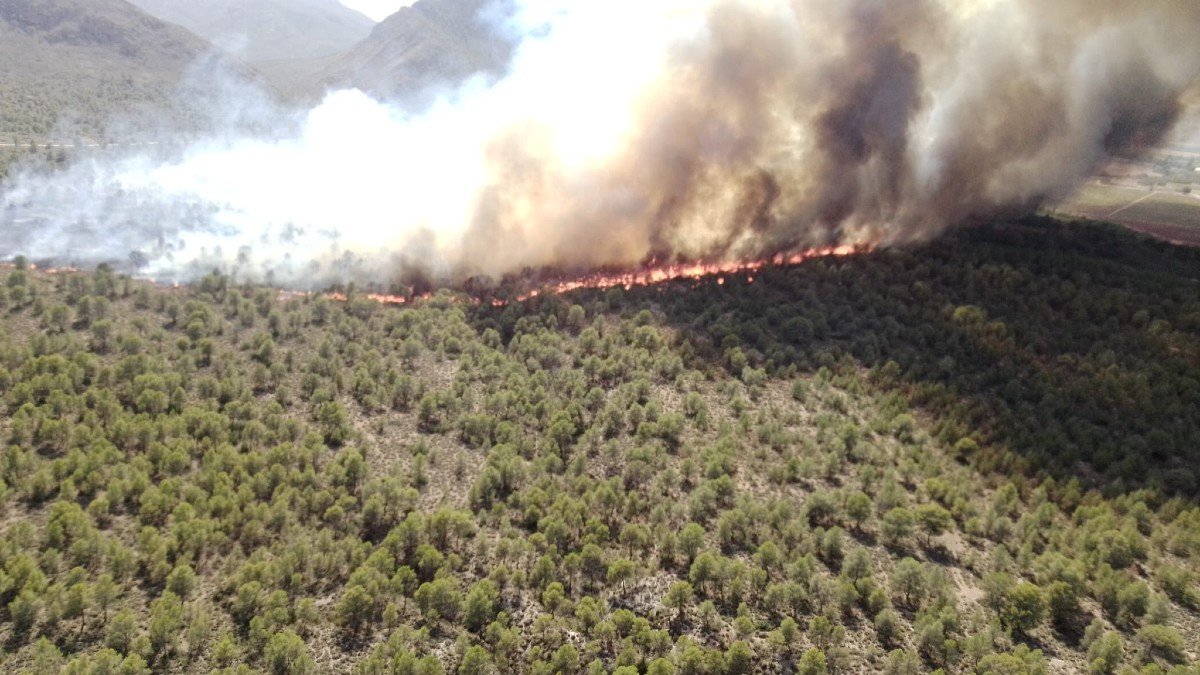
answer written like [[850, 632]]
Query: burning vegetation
[[521, 288]]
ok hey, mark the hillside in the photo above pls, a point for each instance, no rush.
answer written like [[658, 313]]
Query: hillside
[[978, 456], [267, 30], [83, 61], [432, 44]]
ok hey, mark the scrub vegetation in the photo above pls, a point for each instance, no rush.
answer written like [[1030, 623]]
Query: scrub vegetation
[[978, 456]]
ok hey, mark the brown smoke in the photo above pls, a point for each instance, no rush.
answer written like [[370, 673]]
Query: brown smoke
[[630, 130], [815, 122]]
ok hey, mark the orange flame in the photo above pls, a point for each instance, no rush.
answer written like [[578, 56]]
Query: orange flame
[[649, 276], [660, 274]]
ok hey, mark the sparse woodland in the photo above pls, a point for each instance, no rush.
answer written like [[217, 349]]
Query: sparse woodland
[[975, 456], [30, 155]]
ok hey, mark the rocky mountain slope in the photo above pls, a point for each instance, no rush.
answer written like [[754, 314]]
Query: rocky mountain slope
[[267, 30], [67, 66], [409, 56]]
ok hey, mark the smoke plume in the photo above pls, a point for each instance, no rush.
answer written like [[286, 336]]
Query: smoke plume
[[625, 130]]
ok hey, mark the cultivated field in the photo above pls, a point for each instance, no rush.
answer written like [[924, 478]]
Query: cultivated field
[[1167, 214]]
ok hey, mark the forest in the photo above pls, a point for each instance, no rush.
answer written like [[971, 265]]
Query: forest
[[17, 156], [975, 455]]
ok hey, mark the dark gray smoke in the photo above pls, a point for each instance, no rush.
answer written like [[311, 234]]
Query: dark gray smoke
[[793, 124]]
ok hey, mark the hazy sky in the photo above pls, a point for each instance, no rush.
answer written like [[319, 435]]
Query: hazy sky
[[377, 9]]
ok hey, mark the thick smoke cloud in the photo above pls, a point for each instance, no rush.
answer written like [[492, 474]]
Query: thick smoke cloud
[[625, 130]]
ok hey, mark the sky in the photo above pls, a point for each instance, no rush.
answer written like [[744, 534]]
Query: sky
[[377, 9]]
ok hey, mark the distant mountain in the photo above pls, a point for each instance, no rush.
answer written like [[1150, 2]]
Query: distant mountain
[[433, 43], [85, 60], [267, 30]]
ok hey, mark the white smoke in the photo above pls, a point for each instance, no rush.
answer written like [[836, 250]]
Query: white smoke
[[626, 128]]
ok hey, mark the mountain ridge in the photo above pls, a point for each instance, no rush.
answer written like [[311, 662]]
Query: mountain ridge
[[408, 57], [85, 61], [267, 30]]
